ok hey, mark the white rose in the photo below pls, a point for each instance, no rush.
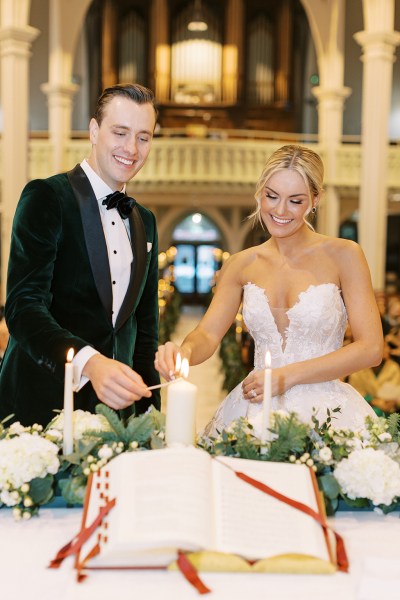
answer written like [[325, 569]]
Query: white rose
[[83, 421], [16, 428], [325, 454]]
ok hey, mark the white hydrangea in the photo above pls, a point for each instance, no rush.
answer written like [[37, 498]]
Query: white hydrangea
[[371, 474], [22, 459], [83, 421]]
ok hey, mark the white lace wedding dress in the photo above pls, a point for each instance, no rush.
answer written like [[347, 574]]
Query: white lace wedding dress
[[313, 327]]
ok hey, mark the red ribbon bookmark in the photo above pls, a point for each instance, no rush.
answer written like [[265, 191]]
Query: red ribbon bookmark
[[190, 573], [341, 556], [77, 542]]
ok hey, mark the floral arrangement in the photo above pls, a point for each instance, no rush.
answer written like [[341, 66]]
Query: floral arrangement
[[361, 468], [28, 463]]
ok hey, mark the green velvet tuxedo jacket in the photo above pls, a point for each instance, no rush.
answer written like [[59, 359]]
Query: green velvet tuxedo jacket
[[59, 296]]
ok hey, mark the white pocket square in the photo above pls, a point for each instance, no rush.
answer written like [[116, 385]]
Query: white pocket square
[[149, 246]]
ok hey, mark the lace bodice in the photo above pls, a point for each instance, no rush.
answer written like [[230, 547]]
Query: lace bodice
[[313, 327], [316, 324]]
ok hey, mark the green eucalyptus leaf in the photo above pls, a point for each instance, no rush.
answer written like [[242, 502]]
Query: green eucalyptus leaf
[[140, 428], [113, 419], [73, 489], [158, 418], [156, 443], [331, 505], [387, 509], [356, 502], [329, 486], [41, 489], [93, 438]]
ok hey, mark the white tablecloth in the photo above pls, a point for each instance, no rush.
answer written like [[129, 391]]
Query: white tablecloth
[[372, 542]]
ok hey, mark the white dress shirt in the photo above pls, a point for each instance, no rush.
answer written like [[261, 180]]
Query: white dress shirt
[[119, 250]]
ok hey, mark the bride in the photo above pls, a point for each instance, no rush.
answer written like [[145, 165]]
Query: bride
[[298, 290]]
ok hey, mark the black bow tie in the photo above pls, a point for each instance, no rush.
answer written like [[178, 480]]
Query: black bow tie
[[121, 202]]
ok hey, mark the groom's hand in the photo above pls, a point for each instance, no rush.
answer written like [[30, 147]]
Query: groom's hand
[[115, 384]]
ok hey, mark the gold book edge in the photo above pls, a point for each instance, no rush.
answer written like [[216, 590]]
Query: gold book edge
[[219, 562]]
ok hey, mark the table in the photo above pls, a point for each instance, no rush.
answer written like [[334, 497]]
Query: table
[[372, 542]]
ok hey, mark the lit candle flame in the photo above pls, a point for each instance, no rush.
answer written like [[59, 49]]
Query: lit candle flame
[[178, 363], [268, 359], [70, 354], [185, 368]]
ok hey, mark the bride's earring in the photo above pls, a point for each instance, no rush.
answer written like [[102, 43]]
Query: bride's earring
[[314, 210]]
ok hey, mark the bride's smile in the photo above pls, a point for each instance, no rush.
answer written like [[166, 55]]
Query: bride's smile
[[285, 203]]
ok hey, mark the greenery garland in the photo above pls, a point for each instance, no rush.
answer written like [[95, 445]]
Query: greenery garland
[[361, 468], [232, 365], [169, 317]]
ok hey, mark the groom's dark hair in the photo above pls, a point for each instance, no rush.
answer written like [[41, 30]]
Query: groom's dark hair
[[133, 91]]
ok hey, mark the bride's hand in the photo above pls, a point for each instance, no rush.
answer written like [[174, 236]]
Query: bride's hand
[[253, 385], [165, 359]]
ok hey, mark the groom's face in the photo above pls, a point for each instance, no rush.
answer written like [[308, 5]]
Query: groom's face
[[122, 142]]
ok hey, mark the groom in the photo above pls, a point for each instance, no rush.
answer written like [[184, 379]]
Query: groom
[[83, 274]]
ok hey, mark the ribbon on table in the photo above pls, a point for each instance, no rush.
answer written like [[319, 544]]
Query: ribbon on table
[[190, 573], [77, 542]]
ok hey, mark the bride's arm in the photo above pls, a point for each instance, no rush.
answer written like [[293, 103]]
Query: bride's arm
[[367, 346], [202, 342]]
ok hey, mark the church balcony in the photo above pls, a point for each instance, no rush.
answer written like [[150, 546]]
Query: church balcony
[[220, 161]]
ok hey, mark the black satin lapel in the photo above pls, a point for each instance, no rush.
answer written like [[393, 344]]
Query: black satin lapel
[[139, 251], [94, 236]]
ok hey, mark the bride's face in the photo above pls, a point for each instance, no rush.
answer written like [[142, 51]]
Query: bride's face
[[284, 203]]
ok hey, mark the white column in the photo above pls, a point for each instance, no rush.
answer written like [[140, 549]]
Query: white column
[[330, 119], [378, 57], [327, 28], [59, 89], [60, 104], [15, 51]]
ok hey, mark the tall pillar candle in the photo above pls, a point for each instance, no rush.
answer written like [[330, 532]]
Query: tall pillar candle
[[180, 427], [267, 400], [68, 438]]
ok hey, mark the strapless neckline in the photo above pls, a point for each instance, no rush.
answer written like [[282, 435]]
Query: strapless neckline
[[316, 320], [302, 295]]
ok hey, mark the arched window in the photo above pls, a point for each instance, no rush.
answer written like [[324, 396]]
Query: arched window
[[197, 241]]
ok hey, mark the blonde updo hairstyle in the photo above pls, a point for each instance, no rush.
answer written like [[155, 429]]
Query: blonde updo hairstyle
[[298, 158]]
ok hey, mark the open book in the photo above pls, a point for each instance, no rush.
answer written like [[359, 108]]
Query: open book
[[184, 499]]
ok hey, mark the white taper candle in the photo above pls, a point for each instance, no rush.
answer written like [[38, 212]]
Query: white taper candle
[[68, 439], [267, 401]]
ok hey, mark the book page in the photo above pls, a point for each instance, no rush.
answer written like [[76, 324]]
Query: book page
[[163, 500], [255, 525]]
